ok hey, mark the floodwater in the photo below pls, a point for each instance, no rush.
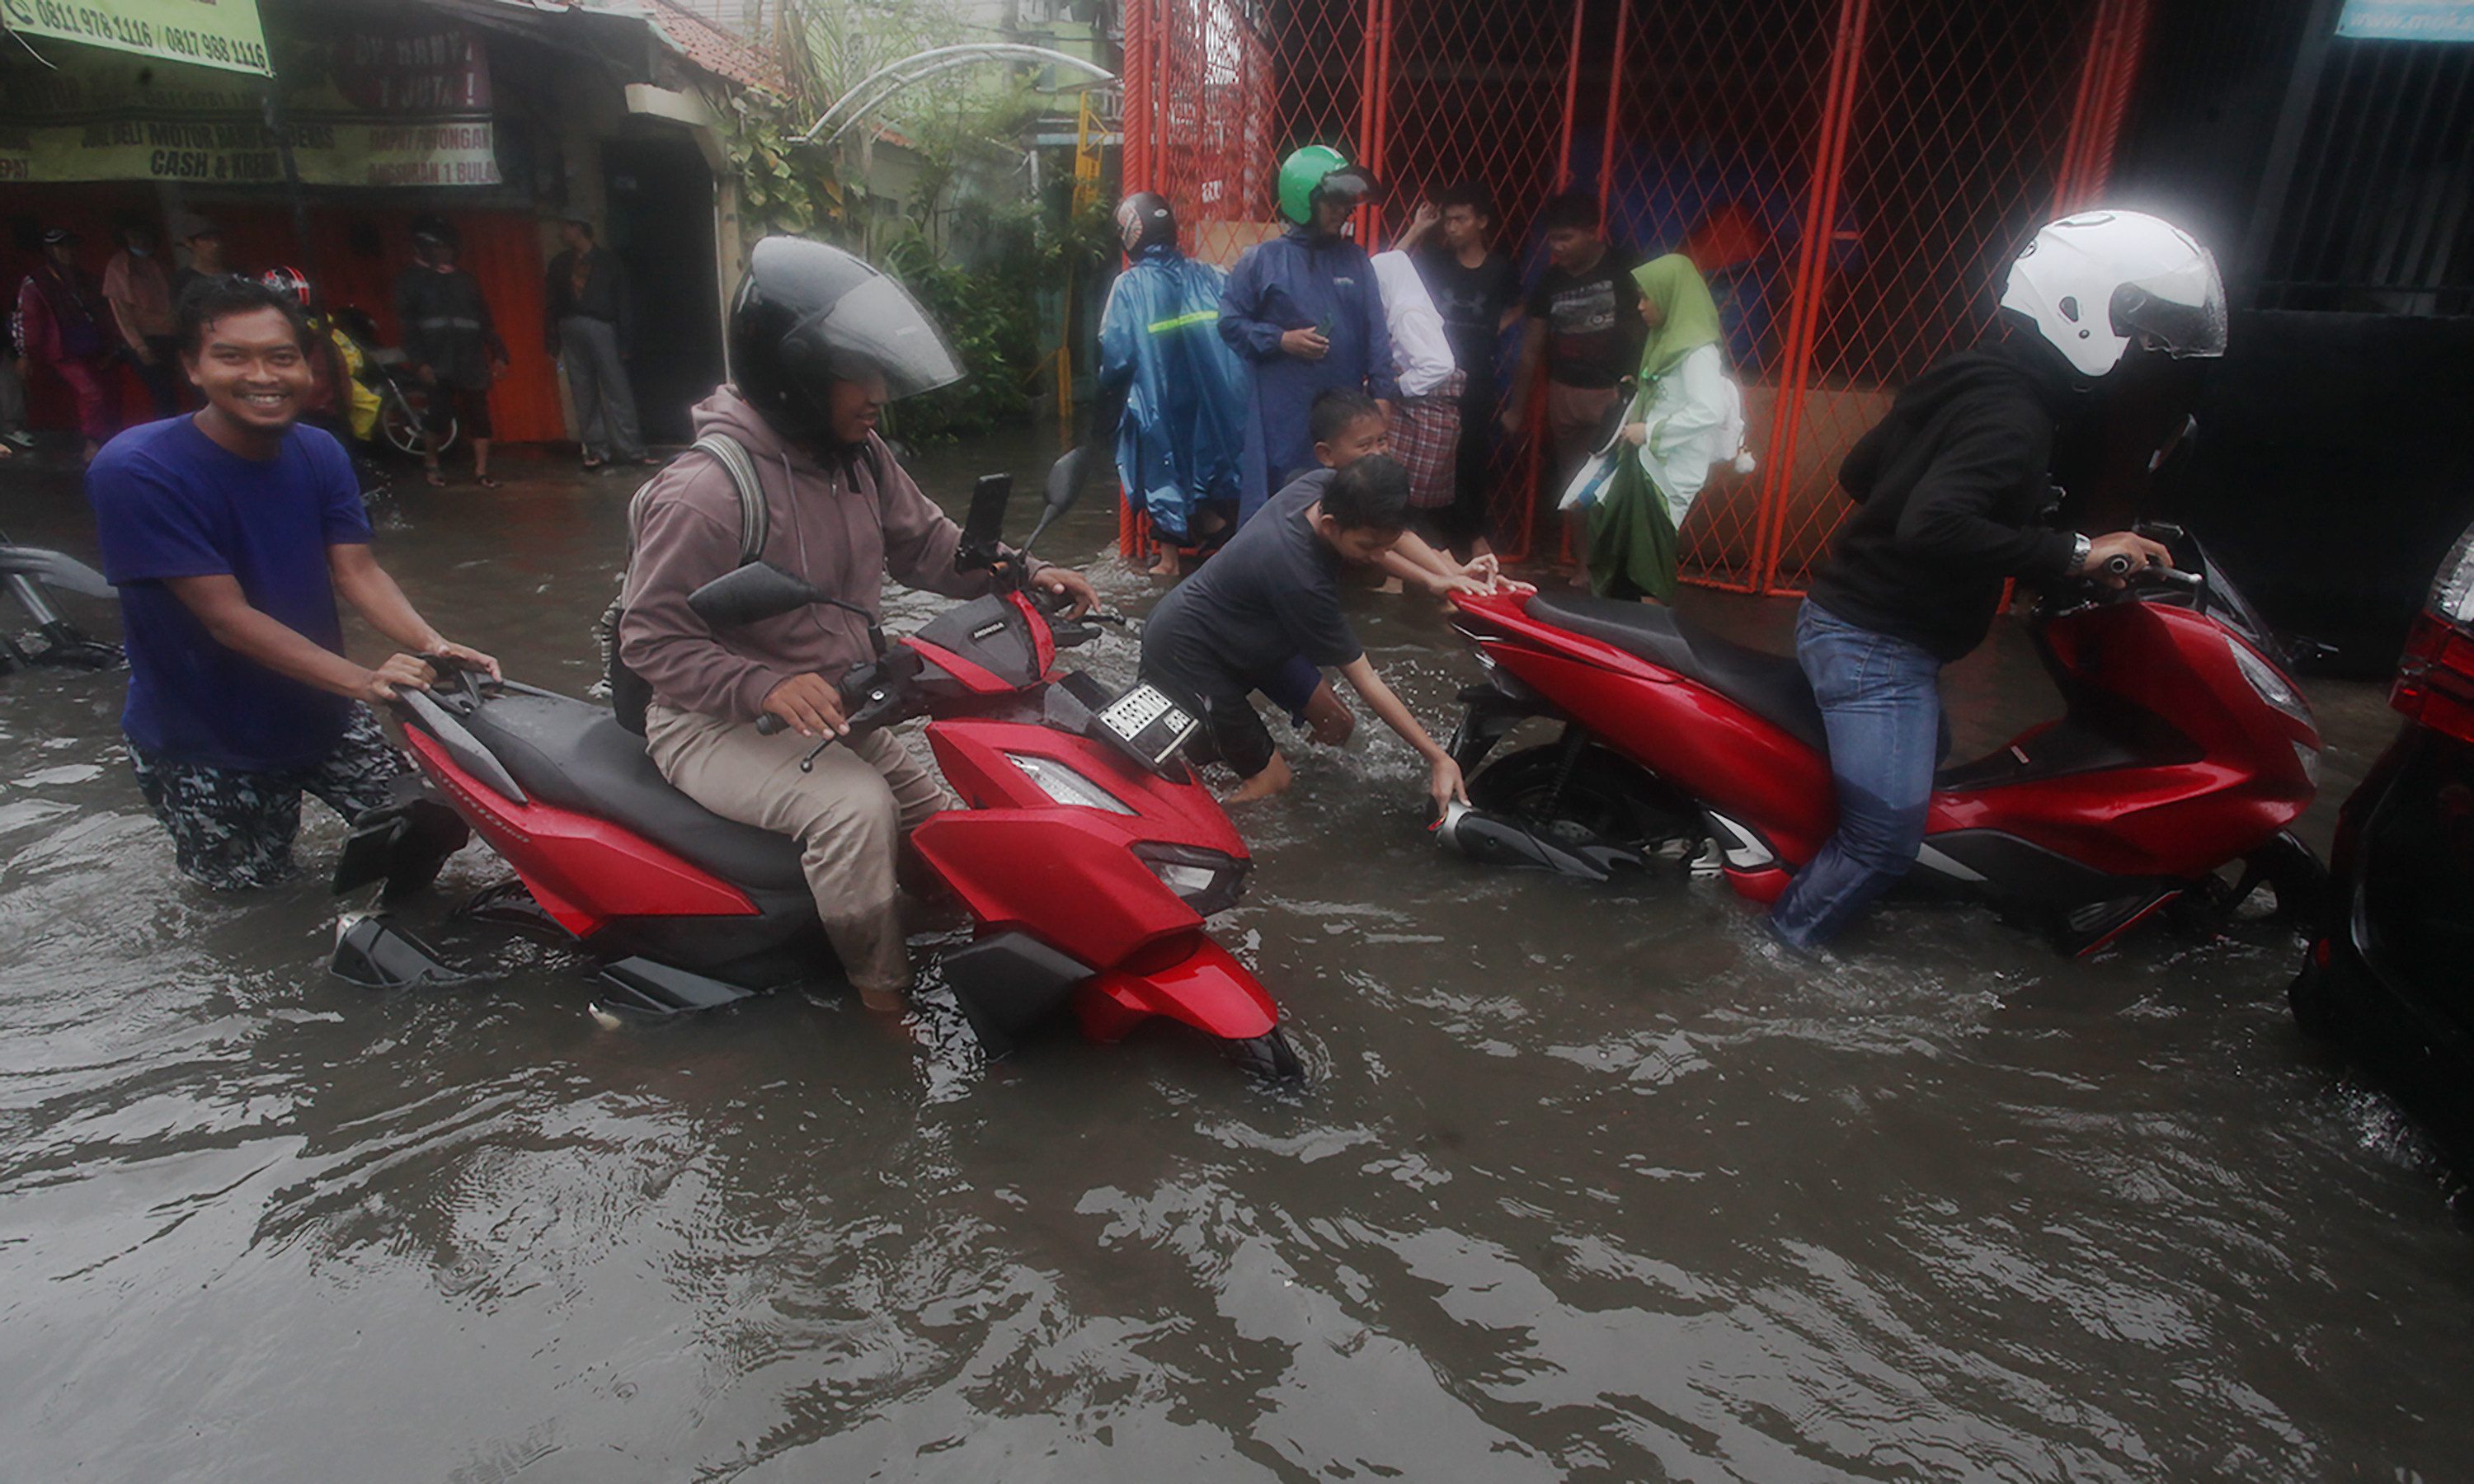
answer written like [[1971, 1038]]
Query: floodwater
[[1586, 1186]]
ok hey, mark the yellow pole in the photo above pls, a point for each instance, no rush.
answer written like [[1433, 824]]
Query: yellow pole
[[1086, 192]]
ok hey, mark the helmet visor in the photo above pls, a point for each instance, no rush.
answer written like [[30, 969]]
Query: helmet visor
[[2180, 311], [877, 328], [1349, 185]]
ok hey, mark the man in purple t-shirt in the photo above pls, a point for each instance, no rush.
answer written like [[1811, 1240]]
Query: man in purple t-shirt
[[230, 532]]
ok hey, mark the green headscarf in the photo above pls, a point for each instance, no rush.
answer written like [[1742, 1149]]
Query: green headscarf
[[1691, 316]]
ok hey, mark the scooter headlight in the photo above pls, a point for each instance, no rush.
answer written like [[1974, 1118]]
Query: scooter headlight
[[1065, 785], [1207, 880], [2273, 686]]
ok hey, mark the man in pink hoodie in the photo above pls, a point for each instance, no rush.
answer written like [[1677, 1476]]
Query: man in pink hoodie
[[818, 342]]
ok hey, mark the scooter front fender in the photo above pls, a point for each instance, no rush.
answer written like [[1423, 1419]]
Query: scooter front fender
[[1068, 876], [1205, 988]]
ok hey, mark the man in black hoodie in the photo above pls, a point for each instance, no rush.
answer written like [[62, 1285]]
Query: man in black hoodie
[[1953, 489]]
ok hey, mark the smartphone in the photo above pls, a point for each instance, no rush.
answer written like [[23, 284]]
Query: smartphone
[[985, 526]]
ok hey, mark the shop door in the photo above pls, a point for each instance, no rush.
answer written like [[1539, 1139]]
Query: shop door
[[662, 226]]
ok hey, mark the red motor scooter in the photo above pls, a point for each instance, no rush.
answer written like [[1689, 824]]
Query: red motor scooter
[[1085, 851], [2185, 747]]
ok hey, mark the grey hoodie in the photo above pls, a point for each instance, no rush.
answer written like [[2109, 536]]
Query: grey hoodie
[[832, 523]]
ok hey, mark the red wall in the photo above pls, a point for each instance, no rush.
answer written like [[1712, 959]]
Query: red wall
[[502, 248]]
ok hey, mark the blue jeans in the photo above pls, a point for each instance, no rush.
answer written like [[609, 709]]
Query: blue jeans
[[1881, 701]]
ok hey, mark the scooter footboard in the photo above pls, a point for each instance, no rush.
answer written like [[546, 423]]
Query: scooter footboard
[[1206, 987]]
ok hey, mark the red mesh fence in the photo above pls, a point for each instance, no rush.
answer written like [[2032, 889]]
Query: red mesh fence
[[1850, 176]]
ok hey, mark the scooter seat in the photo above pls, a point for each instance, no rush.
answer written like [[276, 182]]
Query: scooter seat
[[1770, 686], [575, 755]]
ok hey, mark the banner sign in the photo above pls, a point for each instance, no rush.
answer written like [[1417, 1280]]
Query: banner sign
[[220, 34], [408, 109], [2407, 20]]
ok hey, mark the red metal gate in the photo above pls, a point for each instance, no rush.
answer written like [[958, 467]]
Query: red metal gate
[[1851, 175]]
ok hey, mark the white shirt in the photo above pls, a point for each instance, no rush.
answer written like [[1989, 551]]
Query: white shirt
[[1421, 357]]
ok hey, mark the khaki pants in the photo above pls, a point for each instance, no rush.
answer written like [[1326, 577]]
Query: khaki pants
[[1576, 419], [849, 816]]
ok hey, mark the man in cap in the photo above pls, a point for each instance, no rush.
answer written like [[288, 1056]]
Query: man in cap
[[204, 241], [589, 315], [452, 342], [64, 323], [1180, 436], [1304, 311]]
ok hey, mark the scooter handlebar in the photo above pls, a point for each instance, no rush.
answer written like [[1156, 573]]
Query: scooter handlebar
[[2120, 565], [863, 702]]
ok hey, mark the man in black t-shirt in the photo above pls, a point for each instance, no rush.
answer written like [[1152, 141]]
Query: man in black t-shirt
[[1272, 594], [1477, 292], [1585, 326], [1585, 311], [589, 327]]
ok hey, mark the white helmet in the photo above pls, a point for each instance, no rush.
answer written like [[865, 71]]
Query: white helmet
[[2094, 282]]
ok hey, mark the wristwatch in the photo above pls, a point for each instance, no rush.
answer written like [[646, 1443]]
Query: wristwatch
[[2081, 546]]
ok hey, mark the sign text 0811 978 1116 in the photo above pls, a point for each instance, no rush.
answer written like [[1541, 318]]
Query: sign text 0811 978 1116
[[224, 36]]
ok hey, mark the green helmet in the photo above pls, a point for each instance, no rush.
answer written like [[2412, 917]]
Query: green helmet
[[1300, 173]]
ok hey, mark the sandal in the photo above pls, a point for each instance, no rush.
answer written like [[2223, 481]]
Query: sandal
[[433, 478], [485, 481]]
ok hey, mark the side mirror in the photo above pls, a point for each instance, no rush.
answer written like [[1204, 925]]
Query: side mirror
[[751, 594], [761, 590], [1067, 476]]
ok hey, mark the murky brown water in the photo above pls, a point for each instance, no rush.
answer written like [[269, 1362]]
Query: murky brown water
[[1586, 1186]]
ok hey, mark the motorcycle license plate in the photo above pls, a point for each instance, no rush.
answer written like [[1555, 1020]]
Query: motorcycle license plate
[[1147, 722]]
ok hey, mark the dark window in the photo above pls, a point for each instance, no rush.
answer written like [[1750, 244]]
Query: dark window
[[2379, 216]]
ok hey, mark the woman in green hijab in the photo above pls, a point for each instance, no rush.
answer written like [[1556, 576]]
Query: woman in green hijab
[[1687, 414]]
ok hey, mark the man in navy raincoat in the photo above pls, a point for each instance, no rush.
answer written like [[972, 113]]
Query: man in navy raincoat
[[1180, 438], [1304, 312]]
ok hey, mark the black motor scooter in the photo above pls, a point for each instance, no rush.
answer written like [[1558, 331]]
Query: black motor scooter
[[29, 574]]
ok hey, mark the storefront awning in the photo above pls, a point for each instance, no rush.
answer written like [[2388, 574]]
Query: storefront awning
[[222, 33]]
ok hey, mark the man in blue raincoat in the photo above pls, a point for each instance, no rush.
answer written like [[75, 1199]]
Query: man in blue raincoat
[[1304, 312], [1182, 433]]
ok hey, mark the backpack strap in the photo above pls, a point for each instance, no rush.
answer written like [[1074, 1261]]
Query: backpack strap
[[755, 521], [629, 694]]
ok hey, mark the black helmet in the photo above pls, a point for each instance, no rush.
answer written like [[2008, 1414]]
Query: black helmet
[[1144, 218], [807, 314]]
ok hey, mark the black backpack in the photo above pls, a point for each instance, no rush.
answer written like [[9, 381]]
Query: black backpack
[[629, 695]]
